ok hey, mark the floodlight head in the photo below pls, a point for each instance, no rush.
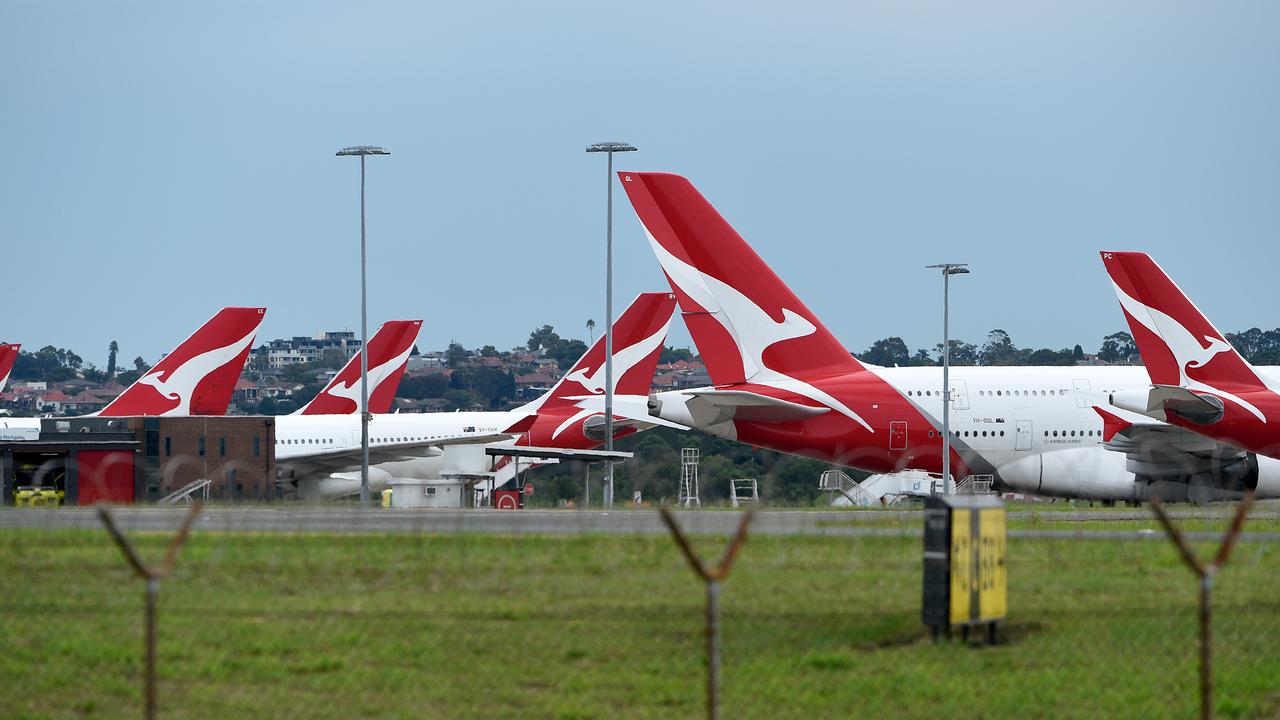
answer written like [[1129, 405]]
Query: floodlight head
[[362, 150], [611, 147], [950, 268]]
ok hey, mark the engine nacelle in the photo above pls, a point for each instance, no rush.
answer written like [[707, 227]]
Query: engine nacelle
[[1135, 401], [336, 485], [1266, 480], [1085, 472]]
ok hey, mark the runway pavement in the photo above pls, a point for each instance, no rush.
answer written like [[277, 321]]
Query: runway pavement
[[348, 519]]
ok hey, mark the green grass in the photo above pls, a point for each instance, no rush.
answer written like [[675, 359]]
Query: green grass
[[322, 626]]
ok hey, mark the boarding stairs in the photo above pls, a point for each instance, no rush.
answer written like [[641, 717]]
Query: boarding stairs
[[975, 485], [184, 493], [744, 490], [688, 492], [882, 489]]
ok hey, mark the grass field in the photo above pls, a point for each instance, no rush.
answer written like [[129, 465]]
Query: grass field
[[320, 626]]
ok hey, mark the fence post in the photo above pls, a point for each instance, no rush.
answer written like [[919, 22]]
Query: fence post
[[712, 577], [1205, 573], [152, 575]]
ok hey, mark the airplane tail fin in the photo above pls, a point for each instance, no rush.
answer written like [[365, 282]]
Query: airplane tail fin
[[389, 350], [1178, 344], [8, 356], [744, 319], [638, 335], [198, 377]]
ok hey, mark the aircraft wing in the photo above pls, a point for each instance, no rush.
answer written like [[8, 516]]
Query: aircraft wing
[[709, 407], [1161, 451], [343, 459]]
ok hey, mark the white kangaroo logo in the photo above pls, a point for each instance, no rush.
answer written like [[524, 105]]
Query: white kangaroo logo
[[753, 330], [377, 375], [1187, 351], [623, 361], [180, 383]]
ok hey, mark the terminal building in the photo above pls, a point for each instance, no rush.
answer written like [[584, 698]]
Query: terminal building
[[141, 459]]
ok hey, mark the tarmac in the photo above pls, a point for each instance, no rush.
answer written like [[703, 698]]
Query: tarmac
[[286, 518]]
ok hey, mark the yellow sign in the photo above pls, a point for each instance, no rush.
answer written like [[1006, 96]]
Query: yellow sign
[[978, 576]]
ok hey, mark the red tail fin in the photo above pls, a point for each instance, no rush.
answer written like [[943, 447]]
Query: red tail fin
[[198, 377], [637, 343], [744, 319], [389, 350], [1178, 344], [8, 356]]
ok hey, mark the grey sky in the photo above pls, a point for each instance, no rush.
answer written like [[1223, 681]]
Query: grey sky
[[165, 160]]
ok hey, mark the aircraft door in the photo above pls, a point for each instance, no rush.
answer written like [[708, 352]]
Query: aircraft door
[[1022, 436], [1082, 386], [959, 395], [898, 435]]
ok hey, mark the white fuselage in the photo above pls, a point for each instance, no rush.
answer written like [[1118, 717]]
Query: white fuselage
[[1036, 426], [299, 437], [1033, 428]]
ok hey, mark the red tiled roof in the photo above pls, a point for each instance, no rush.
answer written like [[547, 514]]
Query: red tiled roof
[[535, 379]]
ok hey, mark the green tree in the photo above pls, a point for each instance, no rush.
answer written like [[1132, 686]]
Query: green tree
[[455, 355], [1257, 346], [998, 350], [419, 387], [112, 351], [796, 482], [488, 386], [888, 352], [1044, 356], [567, 352], [670, 355], [543, 337], [457, 400], [962, 353], [1117, 347], [921, 358]]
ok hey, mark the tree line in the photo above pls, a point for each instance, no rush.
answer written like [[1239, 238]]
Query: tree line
[[1260, 347]]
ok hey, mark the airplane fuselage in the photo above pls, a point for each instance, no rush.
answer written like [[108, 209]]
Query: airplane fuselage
[[1033, 429]]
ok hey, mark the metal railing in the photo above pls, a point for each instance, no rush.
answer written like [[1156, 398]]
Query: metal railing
[[975, 485], [186, 491]]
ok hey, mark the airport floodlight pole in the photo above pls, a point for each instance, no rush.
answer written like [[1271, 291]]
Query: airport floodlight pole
[[362, 151], [948, 269], [609, 148]]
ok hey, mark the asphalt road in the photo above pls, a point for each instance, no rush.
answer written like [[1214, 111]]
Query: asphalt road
[[339, 519]]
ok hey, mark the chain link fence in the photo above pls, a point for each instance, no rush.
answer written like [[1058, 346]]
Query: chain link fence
[[318, 613]]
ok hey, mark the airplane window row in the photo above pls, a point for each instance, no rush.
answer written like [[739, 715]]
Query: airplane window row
[[991, 393], [313, 441], [1082, 433], [971, 433], [1019, 393]]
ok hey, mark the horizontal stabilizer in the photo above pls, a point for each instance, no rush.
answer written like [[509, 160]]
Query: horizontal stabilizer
[[550, 453], [1180, 400], [711, 407]]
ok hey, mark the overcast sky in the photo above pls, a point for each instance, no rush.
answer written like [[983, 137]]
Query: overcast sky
[[164, 159]]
